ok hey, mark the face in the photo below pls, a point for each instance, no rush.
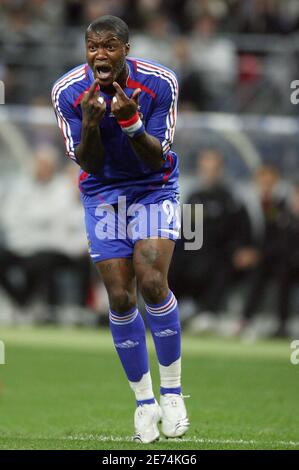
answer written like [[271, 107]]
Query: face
[[106, 56], [266, 181], [210, 167], [44, 169]]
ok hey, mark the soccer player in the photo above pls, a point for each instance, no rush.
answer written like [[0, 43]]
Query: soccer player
[[117, 116]]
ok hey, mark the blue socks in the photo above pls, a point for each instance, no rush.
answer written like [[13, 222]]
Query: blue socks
[[129, 336], [128, 332], [163, 321]]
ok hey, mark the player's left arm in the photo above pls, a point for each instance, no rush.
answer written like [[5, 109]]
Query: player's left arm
[[147, 143]]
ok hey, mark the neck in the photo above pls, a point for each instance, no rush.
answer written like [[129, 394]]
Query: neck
[[122, 78]]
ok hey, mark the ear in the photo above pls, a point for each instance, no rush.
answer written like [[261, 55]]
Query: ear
[[127, 48]]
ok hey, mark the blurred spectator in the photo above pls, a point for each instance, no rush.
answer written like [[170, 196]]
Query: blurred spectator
[[215, 8], [28, 24], [205, 275], [43, 234], [194, 95], [271, 243], [73, 12], [155, 41], [95, 8], [289, 265], [215, 57], [43, 12], [266, 16]]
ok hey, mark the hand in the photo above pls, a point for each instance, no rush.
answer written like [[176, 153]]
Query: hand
[[123, 107], [93, 106]]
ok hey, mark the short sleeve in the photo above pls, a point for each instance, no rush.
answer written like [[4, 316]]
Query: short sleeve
[[162, 122], [68, 121]]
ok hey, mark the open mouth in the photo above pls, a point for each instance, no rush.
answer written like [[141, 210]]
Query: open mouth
[[103, 72]]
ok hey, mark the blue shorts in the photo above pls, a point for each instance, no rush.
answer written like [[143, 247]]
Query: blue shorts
[[113, 230]]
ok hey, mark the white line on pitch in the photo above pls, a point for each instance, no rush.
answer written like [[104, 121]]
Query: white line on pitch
[[195, 440]]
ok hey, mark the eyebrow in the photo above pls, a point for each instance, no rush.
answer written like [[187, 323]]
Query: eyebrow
[[103, 41]]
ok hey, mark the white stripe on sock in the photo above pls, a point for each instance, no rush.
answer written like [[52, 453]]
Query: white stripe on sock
[[165, 309]]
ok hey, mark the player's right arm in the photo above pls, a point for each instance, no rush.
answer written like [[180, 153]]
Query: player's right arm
[[90, 152], [82, 136]]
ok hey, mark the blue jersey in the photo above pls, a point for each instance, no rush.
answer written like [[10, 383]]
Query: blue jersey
[[123, 173]]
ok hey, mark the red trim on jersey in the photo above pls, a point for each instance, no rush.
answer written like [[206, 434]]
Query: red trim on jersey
[[132, 84], [168, 170], [80, 97], [134, 65], [101, 199], [83, 176]]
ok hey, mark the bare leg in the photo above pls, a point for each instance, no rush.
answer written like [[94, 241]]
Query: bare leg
[[151, 260], [119, 279]]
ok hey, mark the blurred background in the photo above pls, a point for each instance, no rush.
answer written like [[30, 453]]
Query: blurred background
[[238, 142]]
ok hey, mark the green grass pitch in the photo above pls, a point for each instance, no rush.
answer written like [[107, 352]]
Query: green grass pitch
[[65, 389]]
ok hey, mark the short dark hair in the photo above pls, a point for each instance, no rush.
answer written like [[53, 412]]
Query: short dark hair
[[110, 23]]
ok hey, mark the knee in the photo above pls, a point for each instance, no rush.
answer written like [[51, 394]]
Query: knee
[[121, 299], [154, 287]]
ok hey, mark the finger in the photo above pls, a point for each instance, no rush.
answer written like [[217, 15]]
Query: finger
[[119, 90], [92, 89], [135, 95], [114, 105], [96, 99], [101, 108]]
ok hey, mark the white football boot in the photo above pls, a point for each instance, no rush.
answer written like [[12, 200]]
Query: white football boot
[[175, 422], [146, 421]]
